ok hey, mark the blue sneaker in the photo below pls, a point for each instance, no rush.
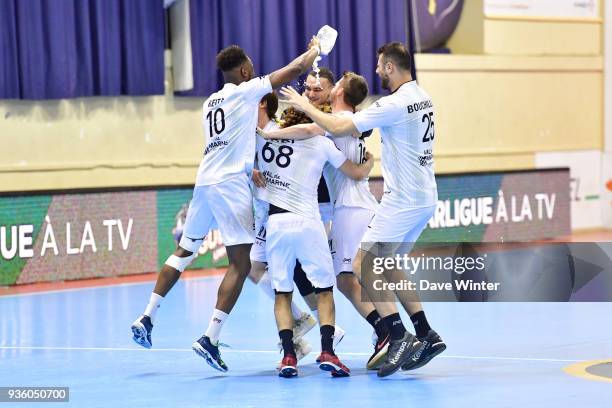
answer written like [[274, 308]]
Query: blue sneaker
[[209, 352], [141, 330]]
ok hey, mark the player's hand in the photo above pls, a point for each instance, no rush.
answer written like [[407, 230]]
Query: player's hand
[[315, 43], [356, 134], [258, 179], [293, 98]]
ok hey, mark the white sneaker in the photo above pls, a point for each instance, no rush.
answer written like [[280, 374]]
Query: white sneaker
[[338, 336], [303, 324], [302, 348]]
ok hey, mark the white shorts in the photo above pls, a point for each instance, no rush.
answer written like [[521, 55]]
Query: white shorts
[[348, 226], [230, 203], [258, 250], [291, 237], [397, 223], [327, 212]]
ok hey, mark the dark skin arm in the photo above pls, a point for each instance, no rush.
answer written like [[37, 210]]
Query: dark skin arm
[[296, 67]]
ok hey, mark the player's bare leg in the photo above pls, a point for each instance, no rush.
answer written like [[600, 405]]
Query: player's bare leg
[[239, 266], [349, 285], [167, 278], [284, 323], [328, 360], [362, 265], [303, 321], [403, 345], [432, 343], [308, 294], [237, 271], [258, 269]]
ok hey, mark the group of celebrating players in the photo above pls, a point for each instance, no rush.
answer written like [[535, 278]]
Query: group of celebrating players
[[265, 193]]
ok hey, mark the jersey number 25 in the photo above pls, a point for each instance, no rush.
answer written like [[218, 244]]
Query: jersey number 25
[[429, 132]]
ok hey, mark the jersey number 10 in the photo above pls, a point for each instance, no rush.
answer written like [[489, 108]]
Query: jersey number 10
[[216, 121]]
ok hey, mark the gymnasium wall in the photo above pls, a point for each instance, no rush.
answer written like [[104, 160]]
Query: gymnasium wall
[[512, 90]]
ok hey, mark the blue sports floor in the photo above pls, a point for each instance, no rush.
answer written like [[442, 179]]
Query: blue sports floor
[[499, 355]]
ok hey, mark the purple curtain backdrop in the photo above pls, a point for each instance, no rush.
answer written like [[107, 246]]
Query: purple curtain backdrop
[[52, 49], [273, 32]]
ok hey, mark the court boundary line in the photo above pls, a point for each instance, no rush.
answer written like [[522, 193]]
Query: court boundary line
[[230, 350], [102, 286]]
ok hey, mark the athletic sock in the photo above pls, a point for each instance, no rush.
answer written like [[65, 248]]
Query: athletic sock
[[419, 321], [395, 326], [327, 338], [214, 326], [378, 324], [286, 337], [153, 305], [296, 311]]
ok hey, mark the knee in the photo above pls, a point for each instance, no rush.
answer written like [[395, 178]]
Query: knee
[[241, 264], [181, 259], [282, 298], [324, 292], [182, 252], [343, 282], [357, 267]]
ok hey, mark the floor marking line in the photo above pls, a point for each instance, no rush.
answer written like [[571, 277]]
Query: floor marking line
[[230, 350], [52, 291]]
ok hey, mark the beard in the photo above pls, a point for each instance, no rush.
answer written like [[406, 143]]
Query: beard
[[385, 83]]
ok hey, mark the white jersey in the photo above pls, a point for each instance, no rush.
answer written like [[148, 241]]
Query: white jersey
[[229, 121], [292, 169], [260, 207], [406, 122], [344, 191], [270, 127]]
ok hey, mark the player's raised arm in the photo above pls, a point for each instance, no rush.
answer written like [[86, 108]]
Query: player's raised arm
[[297, 132], [296, 67], [333, 124]]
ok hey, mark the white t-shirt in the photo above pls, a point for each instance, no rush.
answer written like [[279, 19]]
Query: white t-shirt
[[229, 120], [292, 169], [345, 191], [406, 122]]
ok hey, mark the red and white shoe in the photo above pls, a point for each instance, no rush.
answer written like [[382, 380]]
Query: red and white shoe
[[288, 367], [331, 363]]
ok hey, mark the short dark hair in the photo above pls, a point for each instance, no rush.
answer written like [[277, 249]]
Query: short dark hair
[[355, 88], [397, 53], [326, 73], [271, 101], [231, 57]]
